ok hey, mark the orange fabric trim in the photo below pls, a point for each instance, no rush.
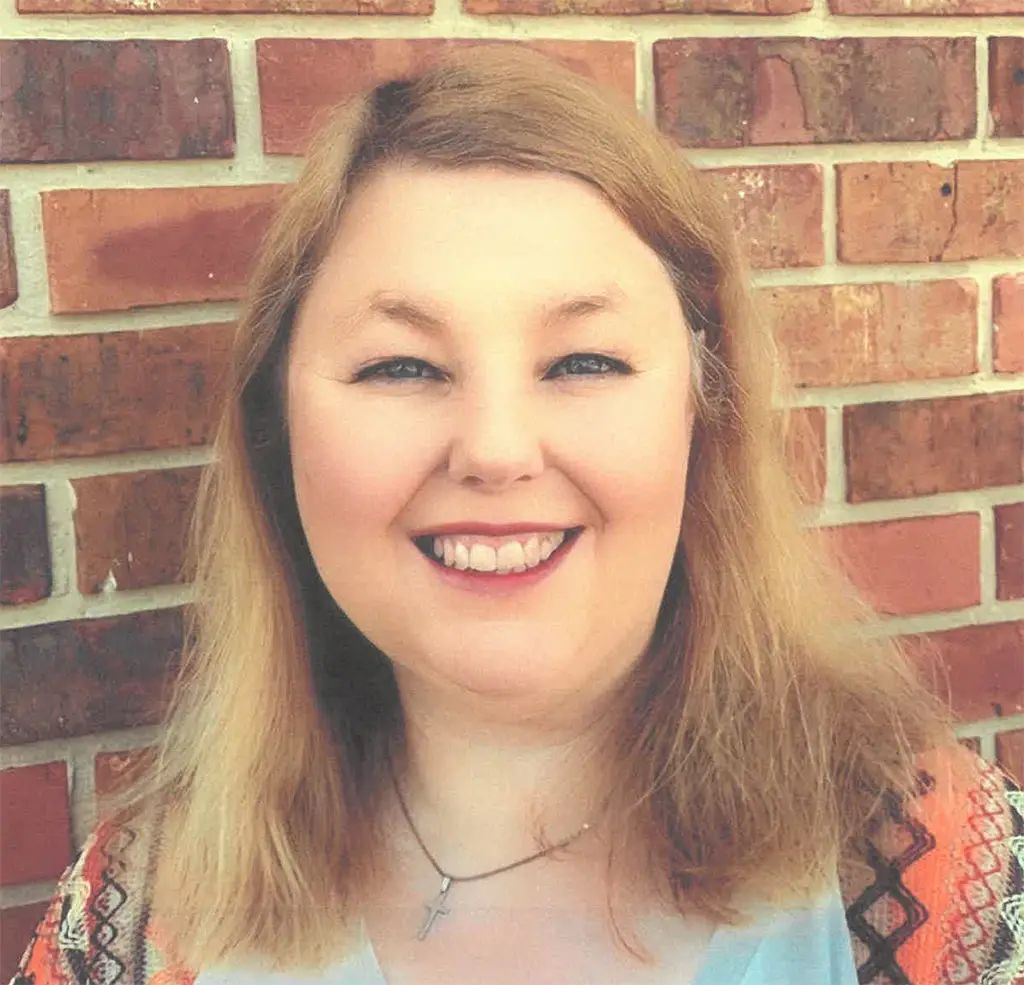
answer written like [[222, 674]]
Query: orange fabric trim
[[944, 811]]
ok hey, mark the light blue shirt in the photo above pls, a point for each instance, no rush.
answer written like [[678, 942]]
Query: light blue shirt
[[809, 946]]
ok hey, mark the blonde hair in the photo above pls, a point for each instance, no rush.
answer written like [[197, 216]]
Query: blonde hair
[[762, 727]]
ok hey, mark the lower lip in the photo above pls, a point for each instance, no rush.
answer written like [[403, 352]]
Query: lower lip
[[489, 583]]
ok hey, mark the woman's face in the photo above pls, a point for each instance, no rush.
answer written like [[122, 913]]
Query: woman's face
[[481, 282]]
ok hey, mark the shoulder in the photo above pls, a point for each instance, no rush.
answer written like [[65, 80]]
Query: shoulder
[[96, 927], [943, 901]]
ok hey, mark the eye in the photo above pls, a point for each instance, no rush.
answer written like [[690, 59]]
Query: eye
[[407, 368], [389, 370], [592, 359]]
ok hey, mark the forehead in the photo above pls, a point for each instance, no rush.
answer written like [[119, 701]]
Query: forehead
[[466, 237]]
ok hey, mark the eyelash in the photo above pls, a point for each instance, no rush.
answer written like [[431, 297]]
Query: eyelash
[[377, 369]]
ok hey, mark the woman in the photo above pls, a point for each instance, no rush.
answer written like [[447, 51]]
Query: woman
[[510, 661]]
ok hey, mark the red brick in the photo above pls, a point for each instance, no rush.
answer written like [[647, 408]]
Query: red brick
[[1006, 85], [393, 7], [733, 92], [106, 100], [35, 842], [918, 212], [77, 395], [8, 270], [132, 527], [876, 333], [921, 447], [905, 567], [114, 769], [1010, 552], [1010, 753], [776, 212], [122, 248], [301, 79], [24, 545], [806, 451], [979, 673], [60, 680], [938, 8], [605, 7], [17, 924], [1008, 323]]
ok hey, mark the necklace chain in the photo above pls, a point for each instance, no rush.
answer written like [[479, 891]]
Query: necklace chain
[[436, 908], [490, 872]]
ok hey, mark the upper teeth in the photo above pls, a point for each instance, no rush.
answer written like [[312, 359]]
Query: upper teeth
[[502, 556]]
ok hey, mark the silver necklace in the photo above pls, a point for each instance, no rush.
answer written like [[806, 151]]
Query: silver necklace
[[437, 906]]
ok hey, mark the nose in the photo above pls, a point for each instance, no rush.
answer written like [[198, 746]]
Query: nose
[[496, 437]]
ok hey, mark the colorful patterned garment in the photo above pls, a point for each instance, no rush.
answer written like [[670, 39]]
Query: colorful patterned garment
[[943, 905]]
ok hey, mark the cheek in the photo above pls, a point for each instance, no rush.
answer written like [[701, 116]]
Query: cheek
[[348, 474], [637, 454]]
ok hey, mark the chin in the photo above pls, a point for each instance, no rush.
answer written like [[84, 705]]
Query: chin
[[491, 672]]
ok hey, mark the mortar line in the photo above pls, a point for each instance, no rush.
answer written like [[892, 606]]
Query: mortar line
[[809, 24], [33, 178], [835, 476], [830, 214], [987, 742], [249, 157], [987, 544], [982, 88]]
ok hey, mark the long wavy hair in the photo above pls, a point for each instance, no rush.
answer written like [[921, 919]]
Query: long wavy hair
[[761, 730]]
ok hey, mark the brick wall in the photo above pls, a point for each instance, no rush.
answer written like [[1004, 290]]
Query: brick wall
[[871, 150]]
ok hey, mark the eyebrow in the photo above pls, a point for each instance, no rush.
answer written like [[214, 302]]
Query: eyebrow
[[427, 318]]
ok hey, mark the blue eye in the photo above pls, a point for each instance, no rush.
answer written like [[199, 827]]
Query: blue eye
[[592, 359], [389, 370]]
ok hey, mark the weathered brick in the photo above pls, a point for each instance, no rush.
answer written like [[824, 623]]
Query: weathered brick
[[35, 840], [875, 333], [904, 567], [24, 545], [107, 100], [93, 675], [77, 395], [938, 8], [979, 672], [918, 212], [920, 447], [604, 7], [114, 769], [122, 248], [130, 528], [732, 92], [392, 7], [806, 451], [302, 79], [1010, 553], [1008, 323], [776, 212], [17, 924], [8, 270], [1006, 85], [1010, 753], [923, 564]]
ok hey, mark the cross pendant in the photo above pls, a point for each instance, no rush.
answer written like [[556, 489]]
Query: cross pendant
[[435, 908]]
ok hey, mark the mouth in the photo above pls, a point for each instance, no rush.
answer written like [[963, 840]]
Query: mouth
[[425, 545]]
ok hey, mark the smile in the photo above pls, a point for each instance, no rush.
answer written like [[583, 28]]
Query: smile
[[502, 556], [499, 578]]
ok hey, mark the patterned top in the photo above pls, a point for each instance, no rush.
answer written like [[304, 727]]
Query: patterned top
[[943, 904]]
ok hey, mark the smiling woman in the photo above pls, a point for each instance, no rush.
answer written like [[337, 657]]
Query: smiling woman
[[510, 660]]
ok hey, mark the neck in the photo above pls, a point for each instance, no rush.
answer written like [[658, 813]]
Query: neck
[[482, 788]]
